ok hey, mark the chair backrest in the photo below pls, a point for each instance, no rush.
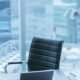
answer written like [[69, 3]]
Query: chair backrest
[[44, 54]]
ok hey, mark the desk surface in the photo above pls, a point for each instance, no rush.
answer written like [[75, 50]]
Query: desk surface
[[58, 75]]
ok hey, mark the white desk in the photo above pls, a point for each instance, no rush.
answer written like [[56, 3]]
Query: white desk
[[16, 76]]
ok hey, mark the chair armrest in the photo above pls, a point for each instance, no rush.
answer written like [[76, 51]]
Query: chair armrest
[[10, 63]]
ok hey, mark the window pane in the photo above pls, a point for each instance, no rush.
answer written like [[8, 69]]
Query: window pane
[[52, 19], [65, 19], [48, 19], [39, 21], [9, 39]]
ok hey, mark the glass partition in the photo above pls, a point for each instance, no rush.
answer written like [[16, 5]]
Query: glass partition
[[52, 20], [39, 20], [9, 37], [21, 20], [66, 25]]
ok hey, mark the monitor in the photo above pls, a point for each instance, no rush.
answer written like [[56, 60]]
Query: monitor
[[37, 75]]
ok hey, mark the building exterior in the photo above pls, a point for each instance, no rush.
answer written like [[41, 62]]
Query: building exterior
[[66, 23], [5, 16], [39, 21]]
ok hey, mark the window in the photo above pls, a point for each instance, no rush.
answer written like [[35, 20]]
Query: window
[[40, 18], [9, 44], [5, 32], [57, 1], [64, 18]]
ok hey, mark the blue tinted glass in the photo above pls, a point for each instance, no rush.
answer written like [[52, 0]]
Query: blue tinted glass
[[4, 21]]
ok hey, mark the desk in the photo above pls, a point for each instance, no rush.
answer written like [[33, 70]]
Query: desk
[[58, 75]]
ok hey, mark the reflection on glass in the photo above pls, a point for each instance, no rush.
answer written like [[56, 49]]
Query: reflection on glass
[[5, 32], [43, 19], [9, 49]]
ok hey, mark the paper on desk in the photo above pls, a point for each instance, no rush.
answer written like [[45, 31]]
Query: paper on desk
[[15, 76], [59, 76], [73, 75], [77, 73]]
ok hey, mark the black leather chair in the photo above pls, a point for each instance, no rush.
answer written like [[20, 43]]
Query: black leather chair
[[44, 54]]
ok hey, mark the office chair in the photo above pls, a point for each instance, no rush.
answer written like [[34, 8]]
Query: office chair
[[44, 54]]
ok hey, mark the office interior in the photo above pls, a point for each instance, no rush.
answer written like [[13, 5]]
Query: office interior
[[21, 20]]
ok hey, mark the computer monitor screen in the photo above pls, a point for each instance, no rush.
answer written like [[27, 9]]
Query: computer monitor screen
[[37, 75]]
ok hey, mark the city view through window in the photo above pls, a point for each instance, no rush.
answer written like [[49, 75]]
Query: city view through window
[[52, 19]]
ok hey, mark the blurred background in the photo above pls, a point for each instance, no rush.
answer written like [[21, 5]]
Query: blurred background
[[52, 19]]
